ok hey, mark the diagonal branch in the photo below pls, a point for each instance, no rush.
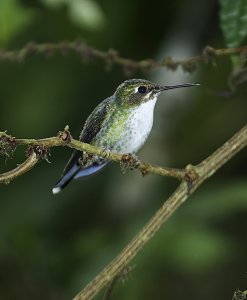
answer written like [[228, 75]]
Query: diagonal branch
[[192, 177], [204, 170]]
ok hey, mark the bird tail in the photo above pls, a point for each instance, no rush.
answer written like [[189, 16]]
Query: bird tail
[[65, 179], [74, 170]]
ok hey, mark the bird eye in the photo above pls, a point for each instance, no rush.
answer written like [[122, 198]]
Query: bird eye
[[142, 89]]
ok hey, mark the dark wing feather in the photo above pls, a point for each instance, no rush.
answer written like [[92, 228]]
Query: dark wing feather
[[94, 121], [90, 130], [74, 169]]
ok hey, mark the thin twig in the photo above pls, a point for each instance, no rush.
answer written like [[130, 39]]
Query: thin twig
[[26, 166], [111, 56], [204, 170]]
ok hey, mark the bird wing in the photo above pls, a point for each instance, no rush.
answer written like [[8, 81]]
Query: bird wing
[[94, 122], [75, 168], [91, 128]]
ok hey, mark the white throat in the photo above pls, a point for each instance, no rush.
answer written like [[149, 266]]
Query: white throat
[[141, 123]]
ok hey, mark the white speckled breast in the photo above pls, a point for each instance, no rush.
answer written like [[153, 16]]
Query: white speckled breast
[[128, 130]]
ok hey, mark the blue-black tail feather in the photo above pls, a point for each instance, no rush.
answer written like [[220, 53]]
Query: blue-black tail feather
[[65, 179], [94, 168], [74, 170]]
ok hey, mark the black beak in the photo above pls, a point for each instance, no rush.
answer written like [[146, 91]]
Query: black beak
[[169, 87]]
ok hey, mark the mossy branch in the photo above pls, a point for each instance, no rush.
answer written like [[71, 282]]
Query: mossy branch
[[111, 56], [192, 177], [41, 148]]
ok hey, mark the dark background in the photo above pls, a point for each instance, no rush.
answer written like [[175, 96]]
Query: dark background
[[51, 246]]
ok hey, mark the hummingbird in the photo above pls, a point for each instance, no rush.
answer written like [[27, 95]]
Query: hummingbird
[[120, 123]]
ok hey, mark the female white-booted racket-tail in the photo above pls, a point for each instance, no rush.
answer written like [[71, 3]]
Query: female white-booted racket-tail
[[120, 123]]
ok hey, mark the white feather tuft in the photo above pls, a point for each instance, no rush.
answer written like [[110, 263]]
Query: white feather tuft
[[56, 190]]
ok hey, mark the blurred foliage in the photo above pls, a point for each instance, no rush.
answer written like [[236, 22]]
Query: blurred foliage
[[84, 13], [51, 246], [234, 21], [233, 18], [13, 19]]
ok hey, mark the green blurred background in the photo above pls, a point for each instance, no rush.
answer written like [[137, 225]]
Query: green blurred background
[[51, 246]]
